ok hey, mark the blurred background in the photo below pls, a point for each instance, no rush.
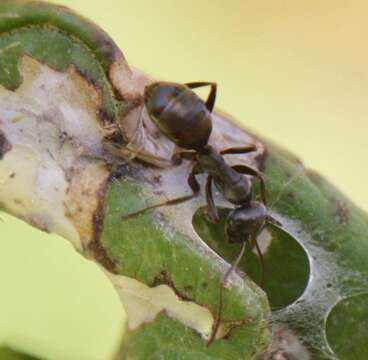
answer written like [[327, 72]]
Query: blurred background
[[293, 71]]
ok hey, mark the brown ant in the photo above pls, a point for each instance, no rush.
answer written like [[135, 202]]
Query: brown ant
[[183, 117]]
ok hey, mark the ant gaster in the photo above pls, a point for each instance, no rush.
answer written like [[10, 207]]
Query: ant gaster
[[183, 117]]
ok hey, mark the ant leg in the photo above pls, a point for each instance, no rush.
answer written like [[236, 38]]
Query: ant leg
[[271, 220], [216, 324], [194, 185], [212, 213], [247, 170], [235, 264], [210, 103], [239, 150], [185, 154], [150, 159], [261, 259]]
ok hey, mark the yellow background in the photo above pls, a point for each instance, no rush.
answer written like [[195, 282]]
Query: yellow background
[[294, 71]]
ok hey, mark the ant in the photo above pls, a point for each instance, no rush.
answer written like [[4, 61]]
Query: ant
[[184, 118]]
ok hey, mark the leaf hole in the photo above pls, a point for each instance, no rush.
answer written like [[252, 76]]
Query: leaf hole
[[347, 328], [287, 266]]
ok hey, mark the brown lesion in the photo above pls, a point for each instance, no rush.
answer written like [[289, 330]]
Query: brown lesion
[[85, 207], [226, 326], [342, 212], [95, 246], [5, 145], [229, 326], [314, 177], [101, 256], [339, 204], [164, 279], [286, 345]]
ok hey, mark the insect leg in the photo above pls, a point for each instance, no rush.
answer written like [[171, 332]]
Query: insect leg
[[235, 264], [261, 259], [239, 150], [221, 301], [194, 185], [150, 159], [212, 213], [271, 220], [185, 154], [247, 170], [210, 103]]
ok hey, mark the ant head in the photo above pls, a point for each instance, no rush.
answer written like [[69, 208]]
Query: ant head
[[179, 113], [245, 222]]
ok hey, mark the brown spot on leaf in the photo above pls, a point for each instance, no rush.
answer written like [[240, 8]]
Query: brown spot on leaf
[[95, 246], [342, 212], [113, 135], [5, 145], [97, 92], [38, 223], [231, 325], [157, 179], [314, 177], [290, 195], [188, 288], [281, 355], [101, 256], [285, 345]]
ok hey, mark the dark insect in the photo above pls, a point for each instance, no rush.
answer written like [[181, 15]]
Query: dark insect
[[185, 119]]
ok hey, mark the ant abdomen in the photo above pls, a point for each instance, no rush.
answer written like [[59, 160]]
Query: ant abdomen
[[179, 113], [158, 95]]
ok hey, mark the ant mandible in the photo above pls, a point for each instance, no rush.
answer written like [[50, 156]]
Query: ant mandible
[[184, 118]]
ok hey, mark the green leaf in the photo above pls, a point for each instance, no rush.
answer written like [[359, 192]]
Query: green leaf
[[143, 249], [167, 265], [333, 232]]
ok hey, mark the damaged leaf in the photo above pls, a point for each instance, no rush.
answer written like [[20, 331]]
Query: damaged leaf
[[60, 111], [78, 151]]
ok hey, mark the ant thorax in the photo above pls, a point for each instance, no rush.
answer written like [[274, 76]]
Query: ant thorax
[[235, 187]]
